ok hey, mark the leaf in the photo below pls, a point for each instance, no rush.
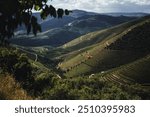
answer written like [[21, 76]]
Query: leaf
[[60, 13], [37, 7], [33, 20], [67, 12], [39, 28], [43, 16], [52, 11], [26, 18], [29, 28], [34, 30], [45, 12]]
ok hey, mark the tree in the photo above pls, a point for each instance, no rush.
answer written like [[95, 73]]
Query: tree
[[18, 65], [19, 12]]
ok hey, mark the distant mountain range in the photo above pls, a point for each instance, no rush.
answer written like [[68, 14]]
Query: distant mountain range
[[128, 14], [57, 32]]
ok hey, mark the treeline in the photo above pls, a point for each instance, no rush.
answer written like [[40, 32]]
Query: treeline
[[92, 88]]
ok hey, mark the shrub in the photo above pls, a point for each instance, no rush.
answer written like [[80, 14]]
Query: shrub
[[12, 62]]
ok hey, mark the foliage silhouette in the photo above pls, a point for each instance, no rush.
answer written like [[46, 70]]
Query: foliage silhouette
[[18, 12], [18, 65]]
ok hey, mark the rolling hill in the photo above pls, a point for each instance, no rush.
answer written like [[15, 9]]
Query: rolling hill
[[110, 63], [137, 71], [98, 36], [101, 51], [71, 27]]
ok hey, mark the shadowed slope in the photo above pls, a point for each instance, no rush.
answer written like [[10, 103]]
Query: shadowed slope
[[124, 47]]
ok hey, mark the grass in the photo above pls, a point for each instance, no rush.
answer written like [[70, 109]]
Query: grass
[[11, 90]]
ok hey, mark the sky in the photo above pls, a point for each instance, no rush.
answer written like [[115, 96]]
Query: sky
[[104, 6]]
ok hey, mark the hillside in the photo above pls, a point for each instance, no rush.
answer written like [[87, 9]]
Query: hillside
[[136, 14], [71, 27], [98, 36], [108, 64], [24, 74], [137, 71], [11, 90], [49, 85], [118, 47]]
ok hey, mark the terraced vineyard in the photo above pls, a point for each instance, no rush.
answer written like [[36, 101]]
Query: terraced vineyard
[[100, 61], [121, 58], [135, 72], [102, 55]]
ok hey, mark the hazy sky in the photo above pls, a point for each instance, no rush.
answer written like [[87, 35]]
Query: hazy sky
[[104, 5]]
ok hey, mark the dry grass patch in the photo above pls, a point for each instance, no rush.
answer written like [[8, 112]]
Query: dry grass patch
[[11, 90]]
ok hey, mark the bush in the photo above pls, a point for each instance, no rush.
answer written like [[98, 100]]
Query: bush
[[12, 62], [85, 88]]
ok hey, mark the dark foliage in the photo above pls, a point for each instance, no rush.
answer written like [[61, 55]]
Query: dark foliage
[[84, 88], [17, 12], [18, 65]]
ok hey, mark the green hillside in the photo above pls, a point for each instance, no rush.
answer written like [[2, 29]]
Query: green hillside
[[137, 71], [117, 48], [26, 72], [109, 64], [98, 36]]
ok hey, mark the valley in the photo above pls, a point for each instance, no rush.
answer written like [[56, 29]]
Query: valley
[[71, 27], [85, 56]]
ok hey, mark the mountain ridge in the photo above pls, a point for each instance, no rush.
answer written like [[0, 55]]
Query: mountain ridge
[[55, 28]]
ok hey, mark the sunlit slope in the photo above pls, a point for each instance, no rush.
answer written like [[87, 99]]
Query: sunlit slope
[[98, 36], [100, 61], [123, 48]]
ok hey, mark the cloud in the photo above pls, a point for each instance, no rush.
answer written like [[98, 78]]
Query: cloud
[[104, 5]]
